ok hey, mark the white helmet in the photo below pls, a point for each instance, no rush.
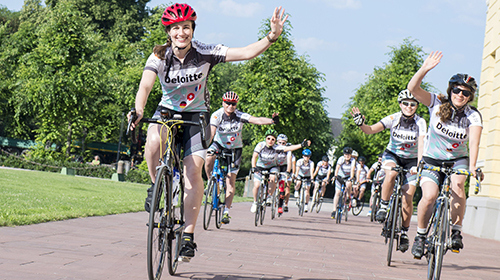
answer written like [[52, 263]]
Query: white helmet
[[405, 94], [354, 153], [282, 137]]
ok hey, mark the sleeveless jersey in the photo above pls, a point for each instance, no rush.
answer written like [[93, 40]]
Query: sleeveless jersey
[[447, 141], [404, 134], [305, 170], [184, 89], [228, 133]]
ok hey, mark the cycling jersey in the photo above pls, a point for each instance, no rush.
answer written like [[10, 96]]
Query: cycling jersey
[[305, 170], [446, 141], [184, 89], [228, 133], [404, 134], [267, 155], [345, 166], [363, 172], [380, 173], [281, 159], [323, 170]]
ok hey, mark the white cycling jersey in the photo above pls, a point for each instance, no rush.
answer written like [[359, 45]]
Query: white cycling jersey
[[363, 172], [228, 133], [323, 170], [345, 166], [305, 170], [447, 141], [267, 155], [184, 89], [404, 134]]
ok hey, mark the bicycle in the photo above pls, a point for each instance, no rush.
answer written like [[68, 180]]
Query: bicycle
[[166, 217], [306, 182], [342, 205], [394, 217], [215, 193], [279, 194], [439, 240], [358, 207], [317, 200], [377, 187], [262, 194]]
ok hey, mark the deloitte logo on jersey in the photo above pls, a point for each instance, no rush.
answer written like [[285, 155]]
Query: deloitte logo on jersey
[[404, 136], [450, 133], [186, 79]]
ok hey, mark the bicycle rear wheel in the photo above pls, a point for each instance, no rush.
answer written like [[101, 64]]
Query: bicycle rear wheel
[[393, 218], [209, 199], [359, 207], [158, 227]]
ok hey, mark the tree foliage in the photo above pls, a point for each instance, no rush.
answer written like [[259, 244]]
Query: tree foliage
[[377, 98]]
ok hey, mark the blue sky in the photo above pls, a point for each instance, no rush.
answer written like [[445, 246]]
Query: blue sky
[[347, 39]]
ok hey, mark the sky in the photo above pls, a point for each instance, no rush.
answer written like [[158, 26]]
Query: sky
[[347, 39]]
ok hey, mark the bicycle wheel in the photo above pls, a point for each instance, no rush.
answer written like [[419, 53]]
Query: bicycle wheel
[[319, 202], [340, 208], [208, 207], [274, 204], [357, 210], [302, 201], [346, 210], [259, 204], [158, 227], [264, 194], [375, 206], [393, 217], [432, 241], [219, 211], [441, 243]]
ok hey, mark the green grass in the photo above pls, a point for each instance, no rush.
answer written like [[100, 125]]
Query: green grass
[[30, 197]]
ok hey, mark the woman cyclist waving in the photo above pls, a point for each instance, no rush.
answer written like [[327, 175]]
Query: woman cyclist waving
[[182, 66], [404, 149], [453, 123]]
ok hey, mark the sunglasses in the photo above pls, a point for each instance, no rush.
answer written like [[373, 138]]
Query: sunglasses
[[409, 103], [230, 103], [282, 143], [464, 92], [270, 139]]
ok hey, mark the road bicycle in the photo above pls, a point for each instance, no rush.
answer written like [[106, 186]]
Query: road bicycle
[[301, 202], [394, 217], [262, 194], [438, 240], [344, 202], [317, 199], [215, 192], [166, 216]]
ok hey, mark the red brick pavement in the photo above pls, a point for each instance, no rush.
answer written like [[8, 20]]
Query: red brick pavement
[[291, 247]]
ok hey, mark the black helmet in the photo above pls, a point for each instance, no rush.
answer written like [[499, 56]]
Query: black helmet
[[465, 80], [347, 150], [324, 158], [362, 159]]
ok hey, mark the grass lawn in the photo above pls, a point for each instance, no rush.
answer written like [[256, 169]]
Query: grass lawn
[[29, 197]]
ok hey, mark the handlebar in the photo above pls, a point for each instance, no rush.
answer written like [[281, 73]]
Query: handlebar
[[450, 171]]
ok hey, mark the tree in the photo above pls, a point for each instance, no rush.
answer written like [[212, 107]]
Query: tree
[[281, 81], [377, 98]]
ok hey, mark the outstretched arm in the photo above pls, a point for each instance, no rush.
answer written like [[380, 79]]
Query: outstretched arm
[[262, 120], [277, 21], [414, 85]]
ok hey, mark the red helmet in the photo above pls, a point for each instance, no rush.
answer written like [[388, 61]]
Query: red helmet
[[177, 13], [230, 96]]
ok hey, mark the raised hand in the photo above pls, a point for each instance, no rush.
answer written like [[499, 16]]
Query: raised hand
[[277, 21], [358, 118], [432, 60]]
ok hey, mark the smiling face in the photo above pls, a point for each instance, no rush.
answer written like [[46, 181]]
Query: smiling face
[[457, 96], [181, 33], [229, 107], [408, 107], [270, 140]]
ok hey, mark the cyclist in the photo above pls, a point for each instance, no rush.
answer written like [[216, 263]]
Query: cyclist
[[322, 175], [404, 149], [379, 175], [345, 169], [304, 169], [227, 124], [361, 176], [453, 124], [265, 158], [290, 179], [284, 161], [182, 66]]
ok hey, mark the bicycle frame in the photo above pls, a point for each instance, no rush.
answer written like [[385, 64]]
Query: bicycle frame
[[216, 190], [342, 206]]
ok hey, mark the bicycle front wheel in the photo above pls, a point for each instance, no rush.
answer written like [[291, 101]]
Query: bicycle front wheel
[[274, 203], [221, 198], [209, 199], [375, 206], [432, 240], [340, 209], [302, 201], [393, 218], [441, 243], [319, 202], [158, 226], [259, 205], [357, 210]]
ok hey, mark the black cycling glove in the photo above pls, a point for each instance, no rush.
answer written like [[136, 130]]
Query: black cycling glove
[[359, 119], [276, 119]]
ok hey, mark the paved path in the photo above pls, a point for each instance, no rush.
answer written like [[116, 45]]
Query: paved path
[[291, 247]]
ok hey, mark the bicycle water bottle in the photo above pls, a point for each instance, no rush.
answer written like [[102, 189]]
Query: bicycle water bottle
[[176, 177]]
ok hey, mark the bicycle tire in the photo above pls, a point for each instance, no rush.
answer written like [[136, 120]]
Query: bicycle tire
[[274, 204], [340, 207], [357, 210], [375, 206], [208, 207], [259, 203], [263, 203], [442, 239], [393, 222], [431, 241], [319, 202], [302, 201], [346, 210], [159, 244], [220, 205]]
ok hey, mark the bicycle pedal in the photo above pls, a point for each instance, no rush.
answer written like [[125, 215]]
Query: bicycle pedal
[[455, 251], [417, 258]]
